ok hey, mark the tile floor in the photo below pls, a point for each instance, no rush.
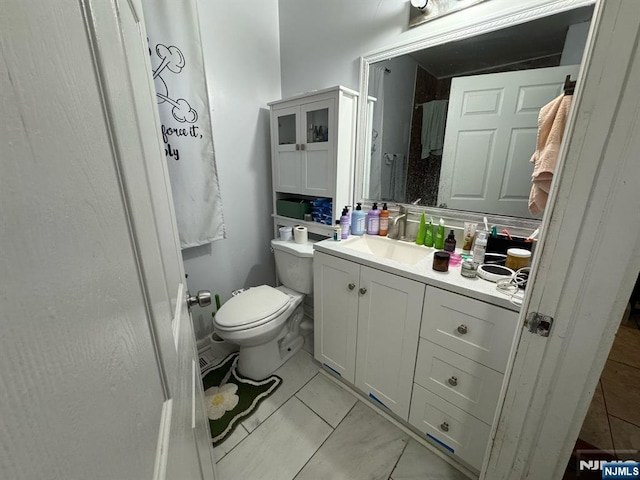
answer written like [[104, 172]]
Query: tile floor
[[613, 420], [311, 429]]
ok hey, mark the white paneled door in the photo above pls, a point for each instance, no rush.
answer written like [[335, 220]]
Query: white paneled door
[[492, 126], [98, 368]]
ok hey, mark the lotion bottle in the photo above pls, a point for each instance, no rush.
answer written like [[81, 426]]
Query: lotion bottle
[[357, 221], [373, 220], [480, 248], [384, 221], [439, 244], [428, 235], [344, 223], [422, 230]]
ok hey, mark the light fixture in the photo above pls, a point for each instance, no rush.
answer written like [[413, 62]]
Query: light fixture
[[422, 11], [420, 4]]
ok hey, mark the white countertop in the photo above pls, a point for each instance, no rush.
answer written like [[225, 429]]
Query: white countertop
[[423, 272]]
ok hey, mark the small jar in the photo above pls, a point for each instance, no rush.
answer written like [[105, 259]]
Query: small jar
[[441, 261], [518, 258], [469, 269]]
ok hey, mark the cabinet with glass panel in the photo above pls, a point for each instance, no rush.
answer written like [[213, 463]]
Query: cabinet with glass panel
[[313, 153]]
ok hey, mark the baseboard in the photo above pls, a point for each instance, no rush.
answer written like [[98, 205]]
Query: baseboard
[[454, 462]]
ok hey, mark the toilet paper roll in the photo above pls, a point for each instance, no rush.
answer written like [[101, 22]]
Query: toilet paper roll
[[300, 234]]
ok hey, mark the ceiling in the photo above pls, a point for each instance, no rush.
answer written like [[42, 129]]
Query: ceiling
[[540, 38]]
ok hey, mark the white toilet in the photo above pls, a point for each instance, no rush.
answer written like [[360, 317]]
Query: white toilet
[[265, 321]]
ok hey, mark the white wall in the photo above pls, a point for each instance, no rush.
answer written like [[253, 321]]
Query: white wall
[[242, 59], [322, 41], [399, 85], [574, 44]]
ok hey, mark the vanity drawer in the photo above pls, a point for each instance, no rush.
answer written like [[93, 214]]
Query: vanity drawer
[[466, 384], [455, 430], [476, 330]]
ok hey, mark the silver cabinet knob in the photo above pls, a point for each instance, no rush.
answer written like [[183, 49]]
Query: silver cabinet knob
[[202, 299], [453, 381], [363, 291], [444, 426], [462, 329], [352, 286]]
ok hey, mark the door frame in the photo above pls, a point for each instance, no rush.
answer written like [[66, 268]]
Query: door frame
[[583, 276]]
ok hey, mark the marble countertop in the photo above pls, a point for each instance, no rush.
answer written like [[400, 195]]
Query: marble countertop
[[422, 271]]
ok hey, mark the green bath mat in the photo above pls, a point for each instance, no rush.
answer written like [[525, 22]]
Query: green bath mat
[[230, 398]]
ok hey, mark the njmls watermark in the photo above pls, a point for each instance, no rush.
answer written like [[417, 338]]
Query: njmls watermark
[[605, 461]]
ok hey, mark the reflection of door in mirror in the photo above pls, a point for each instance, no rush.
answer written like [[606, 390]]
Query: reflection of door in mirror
[[417, 87], [492, 125]]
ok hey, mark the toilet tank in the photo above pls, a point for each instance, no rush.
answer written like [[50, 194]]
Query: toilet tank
[[294, 264]]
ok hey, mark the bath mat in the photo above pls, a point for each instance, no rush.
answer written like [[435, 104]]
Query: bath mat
[[230, 398]]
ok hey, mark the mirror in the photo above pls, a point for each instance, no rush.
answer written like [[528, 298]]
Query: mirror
[[455, 125]]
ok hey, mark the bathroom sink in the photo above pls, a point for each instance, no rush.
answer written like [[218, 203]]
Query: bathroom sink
[[384, 247]]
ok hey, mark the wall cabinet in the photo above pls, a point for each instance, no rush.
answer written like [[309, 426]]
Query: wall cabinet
[[367, 324], [313, 149], [435, 359]]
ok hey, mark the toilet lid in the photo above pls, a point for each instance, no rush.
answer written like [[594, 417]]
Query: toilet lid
[[253, 306]]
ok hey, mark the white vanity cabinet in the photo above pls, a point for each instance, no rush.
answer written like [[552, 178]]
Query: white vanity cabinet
[[313, 147], [367, 325], [462, 356]]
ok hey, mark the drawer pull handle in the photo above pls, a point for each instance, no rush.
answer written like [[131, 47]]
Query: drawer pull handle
[[352, 286], [453, 381], [462, 329], [363, 291], [444, 426]]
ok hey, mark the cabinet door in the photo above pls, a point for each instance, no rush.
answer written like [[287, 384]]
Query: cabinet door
[[318, 153], [336, 313], [286, 142], [388, 330]]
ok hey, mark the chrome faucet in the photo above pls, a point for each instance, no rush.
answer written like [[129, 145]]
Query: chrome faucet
[[399, 223]]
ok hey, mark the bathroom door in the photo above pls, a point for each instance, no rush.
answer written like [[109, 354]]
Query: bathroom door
[[98, 371], [492, 126]]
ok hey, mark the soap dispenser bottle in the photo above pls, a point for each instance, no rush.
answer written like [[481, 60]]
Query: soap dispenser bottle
[[439, 244], [384, 221], [373, 220], [344, 223], [428, 235], [357, 221]]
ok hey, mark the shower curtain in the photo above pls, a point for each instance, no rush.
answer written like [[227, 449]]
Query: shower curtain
[[181, 91], [376, 89]]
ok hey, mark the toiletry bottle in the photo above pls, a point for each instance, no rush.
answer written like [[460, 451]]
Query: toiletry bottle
[[439, 244], [384, 221], [422, 230], [336, 232], [450, 242], [480, 248], [428, 235], [357, 221], [344, 223], [373, 220]]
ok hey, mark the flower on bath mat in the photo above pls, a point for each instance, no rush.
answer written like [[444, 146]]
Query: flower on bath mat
[[220, 400]]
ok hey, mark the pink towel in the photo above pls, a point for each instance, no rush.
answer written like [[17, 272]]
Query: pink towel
[[551, 123]]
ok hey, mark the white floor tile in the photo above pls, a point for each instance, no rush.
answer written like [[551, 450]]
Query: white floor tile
[[225, 447], [365, 446], [308, 343], [418, 463], [279, 447], [294, 373], [327, 399]]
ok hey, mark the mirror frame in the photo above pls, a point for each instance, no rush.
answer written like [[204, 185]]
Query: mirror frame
[[495, 21]]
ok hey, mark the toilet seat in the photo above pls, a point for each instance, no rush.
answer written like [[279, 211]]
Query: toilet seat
[[252, 308]]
